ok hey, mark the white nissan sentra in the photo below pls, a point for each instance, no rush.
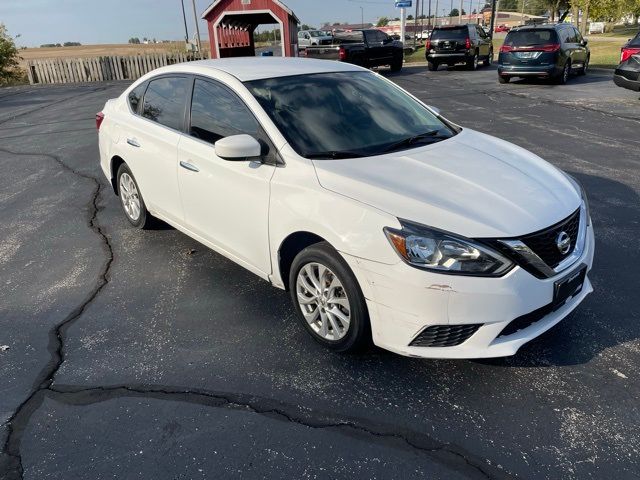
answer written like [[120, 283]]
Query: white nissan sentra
[[384, 220]]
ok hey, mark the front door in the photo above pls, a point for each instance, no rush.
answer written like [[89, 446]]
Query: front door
[[225, 202]]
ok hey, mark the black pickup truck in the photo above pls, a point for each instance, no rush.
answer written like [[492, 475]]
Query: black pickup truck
[[367, 48]]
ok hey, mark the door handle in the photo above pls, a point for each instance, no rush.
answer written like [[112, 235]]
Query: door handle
[[189, 166], [133, 142]]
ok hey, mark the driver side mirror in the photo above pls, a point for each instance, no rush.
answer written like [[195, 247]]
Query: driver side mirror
[[584, 42], [238, 147]]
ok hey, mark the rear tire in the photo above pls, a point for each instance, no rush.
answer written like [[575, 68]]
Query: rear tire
[[564, 75], [489, 59], [503, 80], [335, 315], [131, 199], [396, 65], [473, 63], [432, 66]]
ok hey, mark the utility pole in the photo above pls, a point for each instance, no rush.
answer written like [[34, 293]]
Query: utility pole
[[450, 10], [493, 18], [436, 19], [361, 17], [184, 18], [429, 15], [460, 12], [403, 21], [522, 13], [195, 17], [415, 25]]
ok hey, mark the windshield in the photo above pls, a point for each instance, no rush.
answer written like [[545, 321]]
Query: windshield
[[456, 33], [524, 38], [346, 114]]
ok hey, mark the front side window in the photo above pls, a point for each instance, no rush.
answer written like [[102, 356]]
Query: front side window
[[346, 114], [217, 113], [164, 101], [135, 96]]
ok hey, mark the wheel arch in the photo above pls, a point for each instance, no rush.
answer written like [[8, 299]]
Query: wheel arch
[[291, 246], [115, 163]]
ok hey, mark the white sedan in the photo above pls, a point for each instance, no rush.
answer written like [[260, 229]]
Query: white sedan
[[384, 220]]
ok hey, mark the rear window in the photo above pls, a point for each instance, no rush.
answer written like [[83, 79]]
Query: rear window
[[350, 37], [522, 38], [635, 42], [457, 33]]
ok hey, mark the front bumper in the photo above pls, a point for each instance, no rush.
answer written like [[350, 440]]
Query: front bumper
[[403, 301]]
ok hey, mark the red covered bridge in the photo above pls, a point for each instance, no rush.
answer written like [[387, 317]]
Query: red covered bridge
[[232, 23]]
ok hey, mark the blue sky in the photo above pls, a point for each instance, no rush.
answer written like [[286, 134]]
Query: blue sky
[[115, 21]]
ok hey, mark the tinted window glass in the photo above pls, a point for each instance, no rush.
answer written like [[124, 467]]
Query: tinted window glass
[[635, 42], [350, 37], [456, 33], [578, 35], [135, 96], [353, 114], [164, 101], [523, 38], [217, 113]]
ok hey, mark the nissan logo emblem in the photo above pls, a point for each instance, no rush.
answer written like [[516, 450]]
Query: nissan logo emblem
[[563, 242]]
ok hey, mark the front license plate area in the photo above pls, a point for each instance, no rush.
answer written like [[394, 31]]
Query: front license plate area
[[568, 287]]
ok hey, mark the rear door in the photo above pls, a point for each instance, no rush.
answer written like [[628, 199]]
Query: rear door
[[152, 144]]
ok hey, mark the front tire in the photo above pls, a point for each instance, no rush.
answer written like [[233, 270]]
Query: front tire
[[503, 80], [432, 66], [585, 67], [489, 59], [131, 199], [473, 63], [328, 299], [396, 66]]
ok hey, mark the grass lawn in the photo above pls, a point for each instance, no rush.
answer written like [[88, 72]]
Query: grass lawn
[[605, 51]]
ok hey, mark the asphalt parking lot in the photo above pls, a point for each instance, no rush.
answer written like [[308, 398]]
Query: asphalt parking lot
[[141, 354]]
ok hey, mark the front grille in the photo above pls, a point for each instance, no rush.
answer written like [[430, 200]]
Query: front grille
[[444, 335], [543, 243]]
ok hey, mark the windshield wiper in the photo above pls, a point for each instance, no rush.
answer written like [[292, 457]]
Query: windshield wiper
[[333, 155], [433, 134]]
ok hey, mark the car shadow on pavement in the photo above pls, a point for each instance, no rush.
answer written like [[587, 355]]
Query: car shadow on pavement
[[608, 317]]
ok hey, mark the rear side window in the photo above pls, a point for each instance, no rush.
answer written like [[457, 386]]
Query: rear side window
[[135, 96], [217, 113], [635, 42], [457, 33], [164, 101], [351, 37], [524, 38]]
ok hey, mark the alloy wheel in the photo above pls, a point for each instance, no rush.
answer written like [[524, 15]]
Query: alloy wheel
[[323, 301], [129, 197]]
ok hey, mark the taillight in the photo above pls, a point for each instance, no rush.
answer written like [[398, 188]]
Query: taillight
[[342, 53], [427, 44], [627, 52], [467, 44], [506, 48], [99, 119], [552, 47]]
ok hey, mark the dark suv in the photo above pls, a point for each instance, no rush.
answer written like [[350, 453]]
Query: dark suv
[[543, 51], [453, 44]]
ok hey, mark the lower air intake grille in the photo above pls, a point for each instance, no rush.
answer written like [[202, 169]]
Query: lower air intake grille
[[526, 320], [444, 335]]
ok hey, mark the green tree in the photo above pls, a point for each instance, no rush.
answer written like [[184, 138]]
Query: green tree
[[409, 17], [454, 13], [382, 22], [9, 70], [134, 40]]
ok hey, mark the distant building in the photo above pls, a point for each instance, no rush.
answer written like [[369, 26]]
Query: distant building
[[346, 27]]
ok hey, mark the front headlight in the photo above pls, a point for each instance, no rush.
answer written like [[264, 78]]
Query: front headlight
[[579, 188], [443, 252]]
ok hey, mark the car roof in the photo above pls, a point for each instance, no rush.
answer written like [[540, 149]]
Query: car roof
[[540, 26], [258, 68]]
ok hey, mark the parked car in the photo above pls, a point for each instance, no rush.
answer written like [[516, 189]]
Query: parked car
[[384, 220], [501, 28], [307, 38], [423, 35], [627, 74], [552, 51], [451, 45], [367, 48]]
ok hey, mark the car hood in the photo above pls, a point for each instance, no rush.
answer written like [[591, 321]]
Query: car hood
[[471, 184]]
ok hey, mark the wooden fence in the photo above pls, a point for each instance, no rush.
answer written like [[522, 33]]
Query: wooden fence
[[100, 69]]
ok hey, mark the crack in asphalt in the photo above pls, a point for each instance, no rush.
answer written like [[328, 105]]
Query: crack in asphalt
[[21, 416], [43, 387]]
